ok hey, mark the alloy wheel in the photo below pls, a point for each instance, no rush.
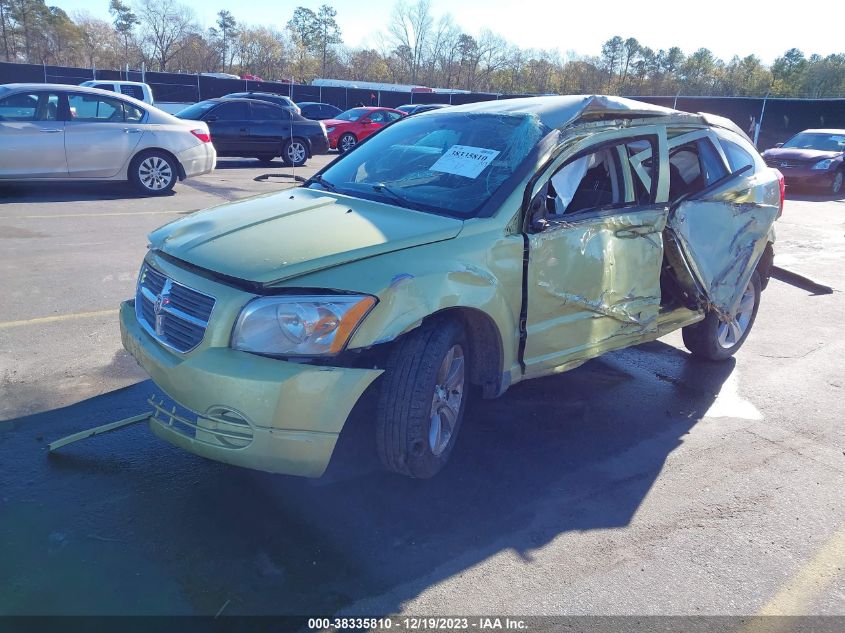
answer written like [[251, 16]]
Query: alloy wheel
[[296, 152], [155, 173], [446, 400], [730, 332]]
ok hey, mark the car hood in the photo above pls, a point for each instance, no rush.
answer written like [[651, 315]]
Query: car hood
[[272, 238], [336, 122], [791, 153]]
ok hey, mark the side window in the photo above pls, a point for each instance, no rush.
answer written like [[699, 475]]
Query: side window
[[693, 166], [133, 113], [310, 112], [109, 87], [136, 92], [90, 108], [599, 179], [393, 116], [378, 116], [736, 155], [232, 111], [30, 106], [266, 112]]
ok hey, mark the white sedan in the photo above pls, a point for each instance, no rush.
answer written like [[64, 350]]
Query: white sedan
[[59, 132]]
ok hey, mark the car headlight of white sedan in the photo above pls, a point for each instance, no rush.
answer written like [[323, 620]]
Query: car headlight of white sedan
[[300, 325]]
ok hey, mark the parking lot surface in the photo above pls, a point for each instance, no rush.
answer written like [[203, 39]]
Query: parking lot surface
[[643, 482]]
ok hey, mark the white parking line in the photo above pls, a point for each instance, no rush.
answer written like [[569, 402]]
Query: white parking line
[[59, 317]]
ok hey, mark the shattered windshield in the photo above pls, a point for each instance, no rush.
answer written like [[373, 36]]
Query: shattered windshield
[[448, 163]]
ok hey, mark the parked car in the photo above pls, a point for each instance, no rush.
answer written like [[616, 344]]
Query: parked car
[[417, 108], [263, 130], [250, 77], [349, 128], [814, 158], [279, 100], [467, 249], [318, 111], [134, 89], [55, 131], [220, 75]]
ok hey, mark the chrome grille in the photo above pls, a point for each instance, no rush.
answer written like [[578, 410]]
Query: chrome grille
[[172, 313], [785, 164]]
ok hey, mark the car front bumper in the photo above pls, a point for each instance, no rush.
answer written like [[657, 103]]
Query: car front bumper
[[199, 159], [806, 177], [244, 409]]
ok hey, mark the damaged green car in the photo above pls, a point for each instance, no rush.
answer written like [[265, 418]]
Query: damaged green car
[[467, 248]]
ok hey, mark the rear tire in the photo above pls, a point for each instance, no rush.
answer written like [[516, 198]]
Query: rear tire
[[295, 153], [153, 173], [422, 400], [711, 339]]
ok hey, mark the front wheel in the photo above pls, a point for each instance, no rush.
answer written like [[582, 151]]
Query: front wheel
[[714, 339], [423, 398], [295, 153], [153, 173], [346, 142], [837, 183]]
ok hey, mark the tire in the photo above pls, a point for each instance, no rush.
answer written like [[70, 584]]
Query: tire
[[266, 158], [153, 173], [422, 399], [711, 339], [295, 153], [838, 183], [346, 142]]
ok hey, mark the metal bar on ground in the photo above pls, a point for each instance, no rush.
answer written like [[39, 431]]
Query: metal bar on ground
[[99, 430]]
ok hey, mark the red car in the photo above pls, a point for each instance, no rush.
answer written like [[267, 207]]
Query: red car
[[347, 129]]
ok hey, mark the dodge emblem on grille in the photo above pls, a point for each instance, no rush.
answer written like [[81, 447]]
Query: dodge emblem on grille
[[162, 300]]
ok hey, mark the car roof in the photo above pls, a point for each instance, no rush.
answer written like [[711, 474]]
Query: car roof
[[115, 81], [823, 131]]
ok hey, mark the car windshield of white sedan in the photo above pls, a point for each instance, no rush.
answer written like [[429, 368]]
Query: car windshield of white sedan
[[822, 142], [448, 163]]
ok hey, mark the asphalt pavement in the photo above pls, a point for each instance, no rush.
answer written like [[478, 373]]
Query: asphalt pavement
[[643, 482]]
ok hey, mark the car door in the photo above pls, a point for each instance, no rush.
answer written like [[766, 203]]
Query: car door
[[372, 123], [229, 126], [595, 252], [32, 135], [719, 222], [269, 125], [101, 134]]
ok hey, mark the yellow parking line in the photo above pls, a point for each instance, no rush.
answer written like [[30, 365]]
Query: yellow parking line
[[59, 317], [93, 215]]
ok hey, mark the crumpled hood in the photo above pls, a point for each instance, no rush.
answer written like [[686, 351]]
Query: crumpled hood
[[780, 153], [279, 236]]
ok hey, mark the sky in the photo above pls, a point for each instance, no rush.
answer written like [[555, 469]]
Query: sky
[[726, 27]]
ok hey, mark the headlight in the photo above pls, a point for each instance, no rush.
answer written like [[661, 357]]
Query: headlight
[[301, 325], [823, 164], [329, 129]]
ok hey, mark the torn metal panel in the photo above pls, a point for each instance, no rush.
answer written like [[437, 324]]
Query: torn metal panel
[[721, 240]]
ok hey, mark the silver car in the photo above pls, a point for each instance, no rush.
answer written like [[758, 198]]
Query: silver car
[[55, 131]]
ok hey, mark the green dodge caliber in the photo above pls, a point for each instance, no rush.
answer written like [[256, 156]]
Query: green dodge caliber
[[466, 248]]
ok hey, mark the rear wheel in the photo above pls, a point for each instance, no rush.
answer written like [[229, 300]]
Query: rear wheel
[[346, 142], [153, 173], [714, 339], [295, 153], [423, 398]]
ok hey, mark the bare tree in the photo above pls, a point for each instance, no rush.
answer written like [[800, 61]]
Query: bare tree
[[410, 28], [165, 27]]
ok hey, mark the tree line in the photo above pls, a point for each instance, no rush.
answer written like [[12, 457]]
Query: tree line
[[416, 47]]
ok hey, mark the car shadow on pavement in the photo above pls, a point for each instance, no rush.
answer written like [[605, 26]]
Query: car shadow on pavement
[[64, 191], [157, 530]]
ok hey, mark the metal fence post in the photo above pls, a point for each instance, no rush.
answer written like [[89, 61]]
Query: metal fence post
[[760, 122]]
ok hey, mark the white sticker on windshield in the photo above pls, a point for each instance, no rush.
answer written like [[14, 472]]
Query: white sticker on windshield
[[463, 160]]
